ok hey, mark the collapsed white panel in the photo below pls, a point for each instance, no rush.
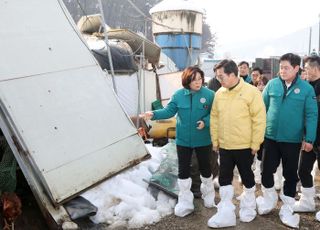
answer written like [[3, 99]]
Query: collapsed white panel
[[36, 37], [64, 114]]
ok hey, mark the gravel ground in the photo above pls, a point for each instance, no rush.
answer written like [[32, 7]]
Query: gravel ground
[[198, 220]]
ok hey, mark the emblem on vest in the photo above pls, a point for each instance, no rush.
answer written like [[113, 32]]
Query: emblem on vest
[[296, 90], [203, 100]]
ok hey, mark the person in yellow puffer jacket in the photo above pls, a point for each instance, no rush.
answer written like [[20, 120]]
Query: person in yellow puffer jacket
[[237, 126]]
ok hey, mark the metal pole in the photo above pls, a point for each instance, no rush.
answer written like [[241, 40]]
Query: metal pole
[[310, 35], [142, 57], [143, 63], [108, 47]]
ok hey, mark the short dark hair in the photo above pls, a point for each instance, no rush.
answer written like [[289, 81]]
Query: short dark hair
[[228, 65], [293, 59], [264, 79], [243, 63], [313, 61], [189, 74], [301, 70], [257, 69], [214, 67]]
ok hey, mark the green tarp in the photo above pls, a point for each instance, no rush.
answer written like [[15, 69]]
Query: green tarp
[[8, 166], [165, 178]]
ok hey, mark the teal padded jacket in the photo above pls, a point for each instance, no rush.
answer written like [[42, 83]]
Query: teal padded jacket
[[190, 107], [292, 113]]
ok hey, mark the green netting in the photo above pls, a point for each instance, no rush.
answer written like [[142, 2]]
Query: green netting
[[165, 178], [8, 167]]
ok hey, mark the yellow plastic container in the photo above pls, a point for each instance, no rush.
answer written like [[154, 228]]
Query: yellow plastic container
[[163, 128]]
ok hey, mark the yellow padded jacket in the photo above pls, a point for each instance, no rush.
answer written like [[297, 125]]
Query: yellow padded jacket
[[238, 118]]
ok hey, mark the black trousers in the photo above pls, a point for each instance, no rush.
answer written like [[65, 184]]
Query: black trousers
[[288, 153], [184, 160], [259, 153], [306, 163], [195, 173], [241, 158]]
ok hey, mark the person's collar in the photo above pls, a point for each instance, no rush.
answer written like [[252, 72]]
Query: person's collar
[[189, 91], [239, 83], [244, 77], [316, 85], [315, 80], [292, 83]]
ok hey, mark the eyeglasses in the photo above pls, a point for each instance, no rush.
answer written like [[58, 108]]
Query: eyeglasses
[[221, 78], [197, 79]]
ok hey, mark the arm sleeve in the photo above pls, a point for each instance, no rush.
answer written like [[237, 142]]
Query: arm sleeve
[[206, 119], [214, 121], [311, 117], [265, 96], [169, 111], [258, 117]]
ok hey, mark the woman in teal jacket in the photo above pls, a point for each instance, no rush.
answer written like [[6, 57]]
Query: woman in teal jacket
[[192, 104]]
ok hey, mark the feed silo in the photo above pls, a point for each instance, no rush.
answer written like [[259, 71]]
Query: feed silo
[[177, 28]]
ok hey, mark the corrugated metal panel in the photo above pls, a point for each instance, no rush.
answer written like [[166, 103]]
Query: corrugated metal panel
[[66, 121]]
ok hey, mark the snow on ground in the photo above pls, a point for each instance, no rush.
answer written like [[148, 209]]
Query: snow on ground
[[124, 200]]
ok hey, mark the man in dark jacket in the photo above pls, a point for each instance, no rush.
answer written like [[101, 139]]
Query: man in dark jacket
[[307, 159], [214, 84], [244, 71]]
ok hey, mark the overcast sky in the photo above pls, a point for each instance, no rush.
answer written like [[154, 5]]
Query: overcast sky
[[237, 22]]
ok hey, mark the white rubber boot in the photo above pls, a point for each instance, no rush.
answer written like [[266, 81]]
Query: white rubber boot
[[225, 216], [185, 199], [306, 202], [286, 212], [268, 201], [257, 172], [207, 190], [248, 205], [318, 216]]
